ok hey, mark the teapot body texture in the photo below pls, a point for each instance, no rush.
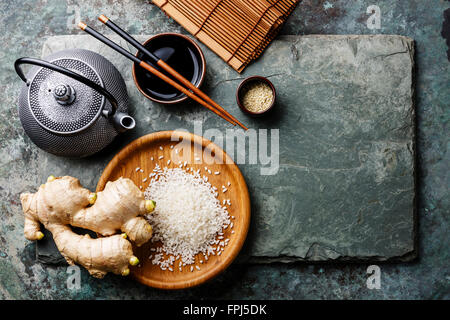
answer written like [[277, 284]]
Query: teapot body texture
[[71, 101]]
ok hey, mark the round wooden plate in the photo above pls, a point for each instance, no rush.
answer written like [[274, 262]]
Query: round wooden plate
[[135, 162]]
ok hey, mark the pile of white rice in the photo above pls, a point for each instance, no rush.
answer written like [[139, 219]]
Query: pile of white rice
[[188, 219]]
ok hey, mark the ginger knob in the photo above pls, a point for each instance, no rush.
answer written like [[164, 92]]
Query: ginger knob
[[150, 205], [92, 198], [62, 202], [134, 261]]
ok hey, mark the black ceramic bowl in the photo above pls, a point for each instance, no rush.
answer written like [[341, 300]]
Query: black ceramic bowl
[[182, 54], [242, 89]]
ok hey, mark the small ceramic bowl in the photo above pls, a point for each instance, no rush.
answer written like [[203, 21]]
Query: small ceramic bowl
[[242, 89], [182, 54]]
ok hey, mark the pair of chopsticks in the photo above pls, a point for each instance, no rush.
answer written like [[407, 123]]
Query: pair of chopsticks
[[196, 94]]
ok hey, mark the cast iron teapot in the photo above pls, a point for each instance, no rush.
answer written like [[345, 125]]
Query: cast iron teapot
[[73, 103]]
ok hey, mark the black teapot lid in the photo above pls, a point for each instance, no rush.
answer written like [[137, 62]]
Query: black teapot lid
[[62, 104]]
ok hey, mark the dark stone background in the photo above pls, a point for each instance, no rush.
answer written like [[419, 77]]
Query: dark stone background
[[26, 24]]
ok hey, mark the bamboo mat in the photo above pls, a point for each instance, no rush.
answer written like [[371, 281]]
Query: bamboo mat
[[236, 30]]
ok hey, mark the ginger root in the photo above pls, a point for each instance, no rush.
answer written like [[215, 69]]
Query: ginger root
[[62, 202]]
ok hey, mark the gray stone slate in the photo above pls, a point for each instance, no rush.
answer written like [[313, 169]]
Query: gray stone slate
[[345, 186]]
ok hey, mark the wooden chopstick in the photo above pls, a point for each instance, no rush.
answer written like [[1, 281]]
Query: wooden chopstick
[[149, 68], [161, 63]]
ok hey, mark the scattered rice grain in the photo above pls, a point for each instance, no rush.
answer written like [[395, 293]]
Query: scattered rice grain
[[188, 223]]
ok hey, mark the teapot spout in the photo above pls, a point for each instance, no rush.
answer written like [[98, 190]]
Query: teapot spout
[[123, 122]]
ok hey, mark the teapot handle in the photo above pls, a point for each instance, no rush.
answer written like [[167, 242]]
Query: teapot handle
[[69, 73]]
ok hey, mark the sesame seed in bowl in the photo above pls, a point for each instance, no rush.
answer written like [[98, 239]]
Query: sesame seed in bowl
[[255, 95]]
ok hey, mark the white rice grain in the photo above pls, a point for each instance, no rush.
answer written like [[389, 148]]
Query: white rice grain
[[187, 218]]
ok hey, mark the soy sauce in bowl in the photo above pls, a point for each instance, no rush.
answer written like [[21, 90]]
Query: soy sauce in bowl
[[182, 54]]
